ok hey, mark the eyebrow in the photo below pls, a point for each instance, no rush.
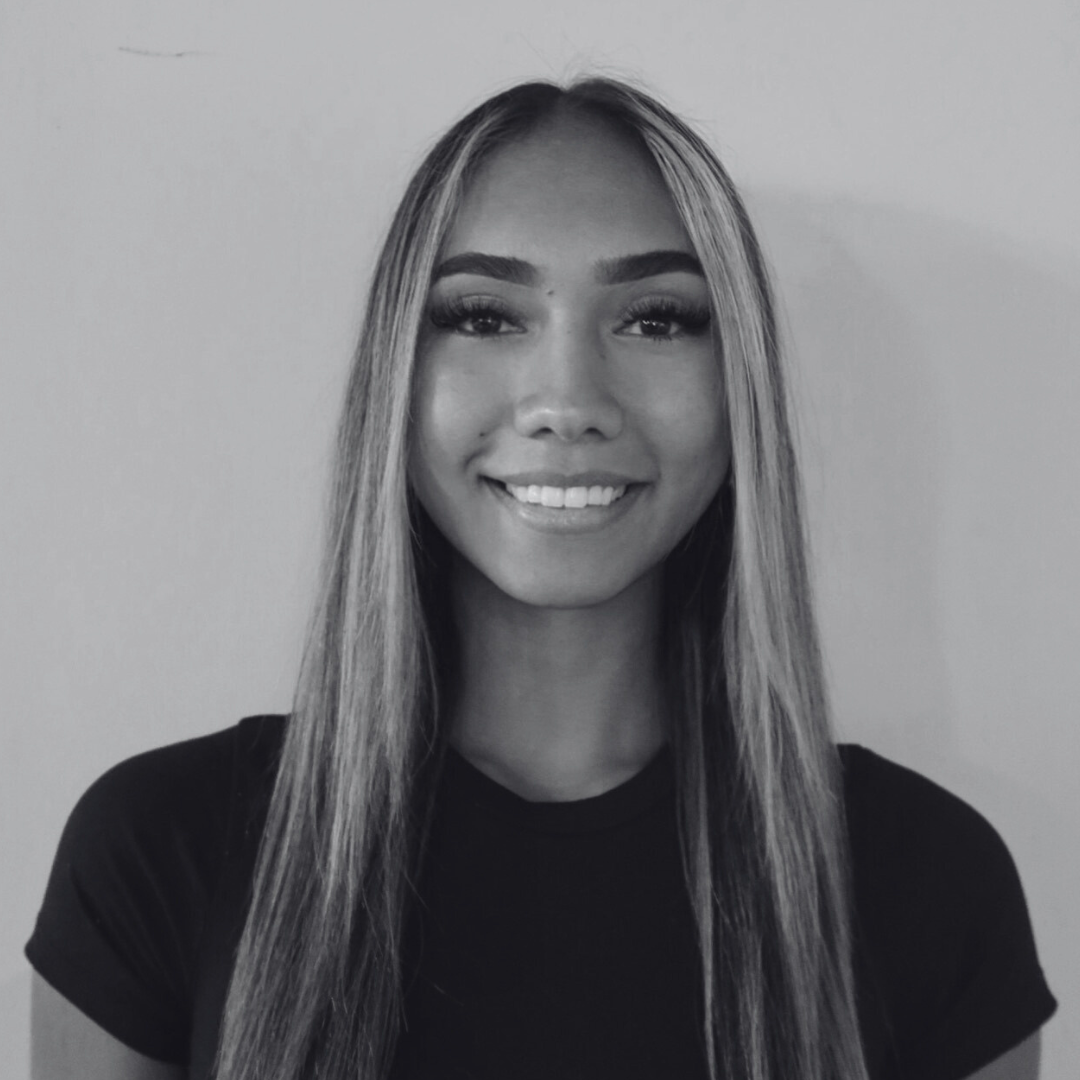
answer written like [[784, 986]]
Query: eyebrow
[[649, 264], [616, 271], [502, 267]]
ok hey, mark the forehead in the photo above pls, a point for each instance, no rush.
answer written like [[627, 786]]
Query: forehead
[[576, 181]]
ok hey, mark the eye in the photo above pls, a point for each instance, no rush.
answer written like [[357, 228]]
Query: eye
[[475, 316], [662, 319]]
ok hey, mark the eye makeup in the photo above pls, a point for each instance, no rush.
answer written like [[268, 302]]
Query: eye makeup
[[486, 314], [660, 318], [657, 313]]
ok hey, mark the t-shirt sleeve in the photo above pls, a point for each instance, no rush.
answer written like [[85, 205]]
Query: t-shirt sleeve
[[944, 923], [118, 930], [999, 995]]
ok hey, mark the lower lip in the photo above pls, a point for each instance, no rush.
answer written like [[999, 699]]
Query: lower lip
[[576, 519]]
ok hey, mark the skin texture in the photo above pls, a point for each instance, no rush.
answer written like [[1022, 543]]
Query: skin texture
[[569, 373], [67, 1045], [569, 381], [1020, 1063]]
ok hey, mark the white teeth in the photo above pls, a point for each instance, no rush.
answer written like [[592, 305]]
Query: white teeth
[[572, 498]]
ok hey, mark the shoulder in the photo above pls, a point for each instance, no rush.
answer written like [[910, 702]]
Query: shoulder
[[121, 924], [946, 950], [897, 815], [183, 789], [916, 844], [922, 857]]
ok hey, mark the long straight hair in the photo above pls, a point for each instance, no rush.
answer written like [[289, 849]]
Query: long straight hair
[[316, 989]]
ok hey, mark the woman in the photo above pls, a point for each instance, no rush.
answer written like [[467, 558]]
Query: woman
[[558, 796]]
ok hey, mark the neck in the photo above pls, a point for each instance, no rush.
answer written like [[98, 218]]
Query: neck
[[557, 704]]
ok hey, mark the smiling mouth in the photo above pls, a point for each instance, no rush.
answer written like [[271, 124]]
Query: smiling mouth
[[559, 498]]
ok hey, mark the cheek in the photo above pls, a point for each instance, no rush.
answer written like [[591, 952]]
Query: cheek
[[451, 411], [695, 455], [690, 424], [707, 443]]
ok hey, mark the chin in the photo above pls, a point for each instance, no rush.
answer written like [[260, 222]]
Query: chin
[[560, 599], [557, 591]]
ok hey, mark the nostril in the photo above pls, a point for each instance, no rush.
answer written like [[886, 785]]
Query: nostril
[[569, 421]]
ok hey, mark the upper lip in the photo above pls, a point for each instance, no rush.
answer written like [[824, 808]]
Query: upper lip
[[547, 478]]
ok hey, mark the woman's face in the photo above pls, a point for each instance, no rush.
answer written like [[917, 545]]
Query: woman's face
[[569, 424]]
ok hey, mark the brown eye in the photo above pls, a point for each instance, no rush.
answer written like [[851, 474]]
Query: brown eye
[[655, 327], [484, 325], [479, 317], [663, 319]]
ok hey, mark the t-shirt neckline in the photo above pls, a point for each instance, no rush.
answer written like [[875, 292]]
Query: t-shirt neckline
[[616, 806]]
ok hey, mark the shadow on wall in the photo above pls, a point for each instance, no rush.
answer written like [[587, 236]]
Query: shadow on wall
[[937, 378], [936, 371], [871, 434]]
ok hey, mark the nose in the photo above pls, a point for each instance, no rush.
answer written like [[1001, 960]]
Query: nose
[[566, 391]]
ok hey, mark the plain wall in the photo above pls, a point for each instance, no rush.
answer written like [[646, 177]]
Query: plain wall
[[190, 195]]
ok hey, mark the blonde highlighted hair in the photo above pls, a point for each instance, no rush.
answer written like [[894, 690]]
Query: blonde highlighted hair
[[316, 989]]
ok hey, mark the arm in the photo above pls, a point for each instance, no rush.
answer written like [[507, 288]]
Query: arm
[[1020, 1063], [67, 1045]]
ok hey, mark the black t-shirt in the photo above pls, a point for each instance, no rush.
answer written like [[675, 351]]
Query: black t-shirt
[[556, 939]]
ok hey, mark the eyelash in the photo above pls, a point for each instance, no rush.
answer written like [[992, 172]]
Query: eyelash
[[453, 312], [692, 318]]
